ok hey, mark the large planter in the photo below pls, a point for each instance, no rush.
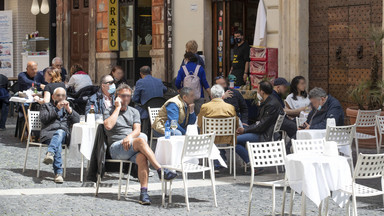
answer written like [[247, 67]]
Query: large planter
[[369, 143]]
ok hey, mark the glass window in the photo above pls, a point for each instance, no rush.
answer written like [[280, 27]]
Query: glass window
[[86, 3], [144, 28], [76, 4], [126, 29]]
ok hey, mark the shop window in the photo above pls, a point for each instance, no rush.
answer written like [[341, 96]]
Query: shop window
[[126, 23], [144, 28]]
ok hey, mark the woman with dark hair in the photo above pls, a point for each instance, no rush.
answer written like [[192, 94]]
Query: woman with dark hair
[[186, 76], [117, 74], [79, 79], [53, 77], [297, 100]]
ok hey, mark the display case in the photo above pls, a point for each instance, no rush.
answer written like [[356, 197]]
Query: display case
[[41, 57]]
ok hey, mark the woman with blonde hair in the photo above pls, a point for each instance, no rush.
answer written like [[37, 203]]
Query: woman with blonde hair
[[53, 77], [192, 46]]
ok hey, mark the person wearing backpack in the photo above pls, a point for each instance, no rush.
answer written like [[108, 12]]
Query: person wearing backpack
[[193, 76]]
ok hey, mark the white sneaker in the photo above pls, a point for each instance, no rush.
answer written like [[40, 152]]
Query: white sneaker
[[59, 179]]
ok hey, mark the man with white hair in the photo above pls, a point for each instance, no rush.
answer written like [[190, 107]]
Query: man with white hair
[[218, 108], [57, 118], [57, 63]]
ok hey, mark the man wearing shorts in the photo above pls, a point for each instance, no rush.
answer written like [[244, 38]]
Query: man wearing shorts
[[125, 142]]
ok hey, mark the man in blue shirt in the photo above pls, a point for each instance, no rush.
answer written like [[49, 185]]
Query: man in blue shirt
[[57, 63], [179, 108], [146, 88], [26, 79]]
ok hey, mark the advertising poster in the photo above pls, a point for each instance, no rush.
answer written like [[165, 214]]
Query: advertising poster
[[6, 43]]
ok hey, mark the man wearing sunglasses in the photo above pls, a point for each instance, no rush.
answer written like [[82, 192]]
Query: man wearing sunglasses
[[57, 118], [104, 97], [126, 142]]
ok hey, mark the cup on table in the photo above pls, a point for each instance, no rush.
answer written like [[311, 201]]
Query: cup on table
[[99, 119], [82, 119]]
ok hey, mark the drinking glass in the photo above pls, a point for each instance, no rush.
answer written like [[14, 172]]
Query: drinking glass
[[174, 126], [82, 119]]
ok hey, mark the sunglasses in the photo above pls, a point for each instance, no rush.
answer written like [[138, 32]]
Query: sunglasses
[[110, 82], [125, 95], [219, 77]]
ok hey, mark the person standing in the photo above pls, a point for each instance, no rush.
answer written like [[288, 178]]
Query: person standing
[[192, 46], [240, 62]]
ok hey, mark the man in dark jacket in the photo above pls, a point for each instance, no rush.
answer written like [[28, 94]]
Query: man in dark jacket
[[262, 130], [56, 118], [234, 98], [4, 101], [323, 107], [104, 97]]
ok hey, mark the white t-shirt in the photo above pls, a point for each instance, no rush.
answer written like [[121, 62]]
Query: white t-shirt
[[79, 81], [299, 103]]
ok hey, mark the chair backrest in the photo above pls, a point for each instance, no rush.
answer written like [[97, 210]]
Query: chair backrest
[[342, 135], [155, 102], [197, 146], [153, 112], [219, 126], [278, 123], [369, 166], [34, 123], [367, 118], [380, 123], [300, 121], [266, 154], [310, 146]]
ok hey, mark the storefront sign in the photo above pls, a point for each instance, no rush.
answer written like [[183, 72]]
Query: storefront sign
[[6, 43], [113, 25]]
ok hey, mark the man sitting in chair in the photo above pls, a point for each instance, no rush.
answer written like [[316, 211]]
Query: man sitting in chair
[[125, 142], [217, 108], [56, 118], [179, 108]]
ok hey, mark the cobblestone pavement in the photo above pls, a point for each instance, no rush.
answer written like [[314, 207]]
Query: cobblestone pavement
[[24, 194]]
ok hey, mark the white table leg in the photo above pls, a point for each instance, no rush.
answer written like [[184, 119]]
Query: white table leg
[[303, 204], [82, 168]]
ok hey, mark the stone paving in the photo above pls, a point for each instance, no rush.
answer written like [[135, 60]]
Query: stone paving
[[24, 194]]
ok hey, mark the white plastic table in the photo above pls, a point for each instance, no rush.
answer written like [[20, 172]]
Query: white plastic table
[[83, 134], [169, 151], [316, 175], [311, 134]]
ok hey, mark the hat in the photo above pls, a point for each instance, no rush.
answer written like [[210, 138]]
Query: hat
[[280, 81]]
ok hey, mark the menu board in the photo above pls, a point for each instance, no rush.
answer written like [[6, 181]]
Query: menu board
[[6, 43]]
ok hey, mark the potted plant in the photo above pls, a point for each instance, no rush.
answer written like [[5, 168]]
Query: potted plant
[[369, 94]]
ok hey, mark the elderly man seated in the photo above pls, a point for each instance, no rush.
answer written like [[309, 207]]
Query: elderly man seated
[[56, 118], [262, 130], [104, 97], [217, 108], [179, 108], [323, 107], [125, 142]]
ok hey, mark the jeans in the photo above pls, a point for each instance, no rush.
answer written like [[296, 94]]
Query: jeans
[[242, 140], [176, 133], [4, 112], [55, 147]]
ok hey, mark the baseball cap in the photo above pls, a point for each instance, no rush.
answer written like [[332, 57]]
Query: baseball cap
[[280, 81]]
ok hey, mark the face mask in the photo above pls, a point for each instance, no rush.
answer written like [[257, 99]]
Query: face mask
[[238, 40], [112, 89], [319, 108]]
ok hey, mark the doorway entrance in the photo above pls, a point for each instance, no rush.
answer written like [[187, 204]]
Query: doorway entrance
[[79, 30], [228, 17]]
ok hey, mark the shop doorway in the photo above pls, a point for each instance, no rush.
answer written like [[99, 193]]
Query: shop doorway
[[228, 17], [79, 33]]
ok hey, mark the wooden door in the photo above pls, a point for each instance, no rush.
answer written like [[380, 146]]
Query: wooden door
[[79, 33]]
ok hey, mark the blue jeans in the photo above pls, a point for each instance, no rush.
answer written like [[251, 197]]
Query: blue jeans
[[177, 133], [242, 140], [4, 112], [55, 147]]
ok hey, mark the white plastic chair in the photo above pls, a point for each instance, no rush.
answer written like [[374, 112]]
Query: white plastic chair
[[223, 127], [153, 112], [34, 124], [121, 175], [368, 166], [300, 121], [380, 129], [196, 146], [365, 118], [277, 127], [308, 146], [343, 136], [266, 154]]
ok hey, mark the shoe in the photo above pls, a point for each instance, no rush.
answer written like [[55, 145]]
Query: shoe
[[168, 175], [59, 179], [144, 199], [48, 158]]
